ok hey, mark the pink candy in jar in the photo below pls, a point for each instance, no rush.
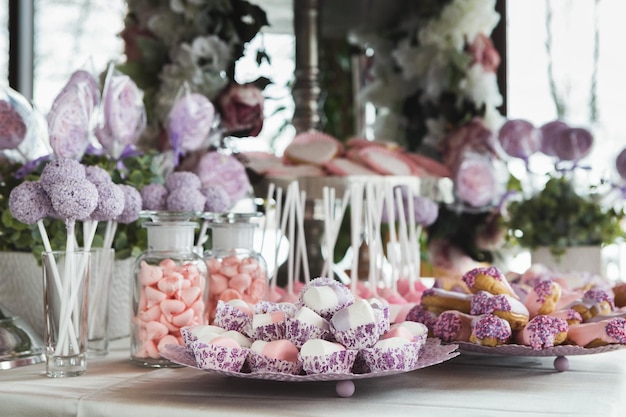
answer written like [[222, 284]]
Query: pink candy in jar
[[170, 291], [236, 270]]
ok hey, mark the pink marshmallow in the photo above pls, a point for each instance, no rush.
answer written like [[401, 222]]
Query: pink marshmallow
[[148, 274]]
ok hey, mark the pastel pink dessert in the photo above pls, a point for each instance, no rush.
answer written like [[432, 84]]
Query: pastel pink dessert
[[234, 314], [344, 166], [386, 161], [394, 353], [305, 325], [570, 315], [320, 356], [325, 296], [598, 333], [275, 356], [171, 297], [356, 326], [490, 330], [543, 297], [439, 299], [269, 326], [234, 277], [503, 306], [452, 326], [221, 353], [313, 148], [489, 279], [595, 302], [543, 332], [415, 332]]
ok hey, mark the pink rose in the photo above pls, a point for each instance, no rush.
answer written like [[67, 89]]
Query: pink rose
[[484, 53], [241, 108], [473, 136], [475, 181], [130, 35]]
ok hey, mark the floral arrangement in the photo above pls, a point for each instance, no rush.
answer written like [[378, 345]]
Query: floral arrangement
[[564, 210], [433, 82], [171, 44]]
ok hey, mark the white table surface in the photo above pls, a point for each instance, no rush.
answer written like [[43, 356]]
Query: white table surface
[[468, 385]]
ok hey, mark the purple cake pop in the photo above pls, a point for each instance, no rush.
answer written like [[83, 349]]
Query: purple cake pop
[[110, 202], [132, 205], [519, 138], [217, 199], [225, 170], [73, 198], [154, 197], [60, 170], [29, 203], [181, 179], [190, 121], [97, 175], [12, 127], [572, 144], [185, 199]]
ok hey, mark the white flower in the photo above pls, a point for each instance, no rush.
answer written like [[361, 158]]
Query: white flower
[[481, 87]]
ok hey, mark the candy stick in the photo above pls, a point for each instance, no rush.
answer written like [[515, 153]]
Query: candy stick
[[332, 226], [277, 217], [268, 198], [414, 236], [393, 238], [302, 238], [356, 224], [69, 293], [404, 238], [292, 193], [373, 244]]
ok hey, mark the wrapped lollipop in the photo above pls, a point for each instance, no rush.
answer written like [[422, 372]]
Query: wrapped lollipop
[[572, 144], [549, 133], [226, 170], [22, 128], [123, 113], [189, 122], [620, 164], [70, 119], [519, 138]]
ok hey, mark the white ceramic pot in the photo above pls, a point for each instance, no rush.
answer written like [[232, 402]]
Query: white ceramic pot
[[21, 292]]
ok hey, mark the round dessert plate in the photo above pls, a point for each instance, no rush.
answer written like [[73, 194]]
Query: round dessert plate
[[561, 363], [521, 350], [431, 354]]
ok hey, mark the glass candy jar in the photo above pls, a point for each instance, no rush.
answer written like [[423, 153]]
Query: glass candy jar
[[170, 289], [236, 270]]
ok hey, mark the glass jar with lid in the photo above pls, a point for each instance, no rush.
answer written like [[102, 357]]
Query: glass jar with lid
[[236, 269], [170, 288]]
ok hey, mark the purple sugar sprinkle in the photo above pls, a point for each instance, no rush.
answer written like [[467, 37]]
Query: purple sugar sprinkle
[[74, 198], [59, 170], [217, 199], [447, 326], [481, 303], [616, 329], [420, 315], [154, 197], [97, 175], [110, 202], [470, 276], [132, 205], [542, 330], [598, 295], [180, 179], [185, 199], [488, 326], [543, 289], [29, 203]]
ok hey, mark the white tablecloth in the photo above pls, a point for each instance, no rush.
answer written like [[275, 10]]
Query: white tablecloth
[[468, 385]]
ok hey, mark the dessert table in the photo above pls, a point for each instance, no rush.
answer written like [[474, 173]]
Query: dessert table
[[467, 385]]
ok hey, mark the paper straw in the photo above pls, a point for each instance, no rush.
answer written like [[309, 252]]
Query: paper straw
[[277, 215], [268, 198], [302, 237]]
